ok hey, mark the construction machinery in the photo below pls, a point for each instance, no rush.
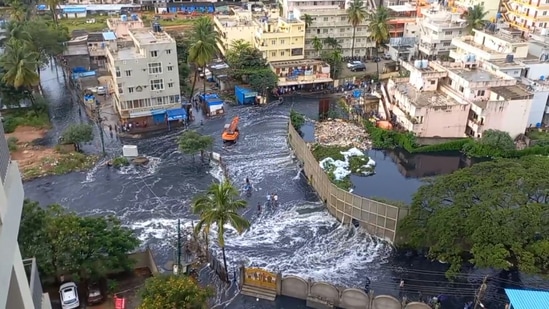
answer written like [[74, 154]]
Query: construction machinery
[[230, 131]]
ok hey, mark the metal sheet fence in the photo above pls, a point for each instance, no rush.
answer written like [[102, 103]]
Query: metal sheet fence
[[379, 219]]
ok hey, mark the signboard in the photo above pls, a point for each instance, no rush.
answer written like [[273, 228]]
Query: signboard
[[119, 303]]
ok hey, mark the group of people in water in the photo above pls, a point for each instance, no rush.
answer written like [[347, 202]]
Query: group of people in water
[[272, 198]]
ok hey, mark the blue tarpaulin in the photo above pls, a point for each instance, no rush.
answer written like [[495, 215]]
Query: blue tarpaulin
[[83, 74], [211, 99], [79, 69], [109, 36], [74, 10], [159, 115], [42, 7], [528, 299], [176, 114]]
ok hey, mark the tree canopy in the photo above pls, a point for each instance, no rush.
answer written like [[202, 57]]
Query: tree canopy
[[191, 142], [493, 214], [66, 243], [263, 80], [378, 25], [356, 15], [171, 292], [475, 17], [493, 143]]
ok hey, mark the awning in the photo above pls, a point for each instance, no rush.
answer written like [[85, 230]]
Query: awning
[[140, 114], [74, 10], [176, 114], [528, 299], [158, 112]]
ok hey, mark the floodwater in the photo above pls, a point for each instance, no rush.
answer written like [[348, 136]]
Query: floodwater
[[299, 237]]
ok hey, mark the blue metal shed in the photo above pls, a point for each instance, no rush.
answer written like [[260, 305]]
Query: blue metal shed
[[74, 10], [528, 299]]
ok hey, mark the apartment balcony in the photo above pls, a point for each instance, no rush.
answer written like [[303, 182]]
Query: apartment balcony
[[40, 299], [467, 43], [474, 125]]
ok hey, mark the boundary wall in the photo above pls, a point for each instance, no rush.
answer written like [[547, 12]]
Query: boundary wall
[[319, 295], [379, 219]]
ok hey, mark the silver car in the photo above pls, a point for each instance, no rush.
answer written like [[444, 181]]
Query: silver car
[[68, 293]]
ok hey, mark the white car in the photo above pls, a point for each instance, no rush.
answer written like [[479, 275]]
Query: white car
[[68, 293], [101, 90], [353, 63]]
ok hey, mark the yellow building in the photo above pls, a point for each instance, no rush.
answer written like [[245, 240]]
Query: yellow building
[[492, 7], [237, 26], [280, 39], [526, 15]]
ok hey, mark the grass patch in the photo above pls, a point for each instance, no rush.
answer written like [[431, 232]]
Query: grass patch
[[321, 152], [32, 118], [81, 24], [120, 161], [62, 164], [12, 143], [399, 204]]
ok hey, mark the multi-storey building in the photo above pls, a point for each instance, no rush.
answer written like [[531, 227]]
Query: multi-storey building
[[237, 26], [525, 15], [461, 6], [304, 74], [146, 76], [329, 19], [401, 17], [452, 100], [122, 26], [437, 28], [280, 39], [20, 288]]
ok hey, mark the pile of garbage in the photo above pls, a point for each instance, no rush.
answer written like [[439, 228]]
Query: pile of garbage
[[341, 133]]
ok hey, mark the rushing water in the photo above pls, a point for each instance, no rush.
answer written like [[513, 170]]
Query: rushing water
[[299, 237]]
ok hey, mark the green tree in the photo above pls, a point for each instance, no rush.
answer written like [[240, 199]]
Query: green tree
[[332, 43], [66, 243], [356, 14], [47, 40], [19, 11], [296, 119], [308, 20], [203, 49], [475, 17], [53, 4], [317, 45], [19, 63], [77, 134], [263, 80], [192, 142], [493, 143], [334, 58], [244, 60], [379, 27], [219, 206], [493, 214], [167, 292], [182, 47]]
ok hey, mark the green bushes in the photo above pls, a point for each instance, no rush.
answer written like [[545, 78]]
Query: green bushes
[[388, 139], [455, 145], [12, 143], [31, 118], [297, 119], [120, 161], [321, 152]]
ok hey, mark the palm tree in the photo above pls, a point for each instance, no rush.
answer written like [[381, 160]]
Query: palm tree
[[219, 206], [19, 63], [15, 31], [19, 12], [308, 20], [378, 26], [475, 17], [53, 4], [336, 58], [204, 46], [356, 14], [332, 43], [317, 45]]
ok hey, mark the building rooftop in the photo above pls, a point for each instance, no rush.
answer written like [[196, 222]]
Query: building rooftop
[[476, 75], [516, 92], [147, 36], [402, 8], [233, 21], [506, 35], [295, 63], [425, 98], [127, 53]]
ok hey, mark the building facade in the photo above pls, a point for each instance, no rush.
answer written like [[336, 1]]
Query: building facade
[[437, 28], [452, 100], [526, 15], [461, 6], [302, 74], [234, 27], [280, 39], [146, 76], [18, 290]]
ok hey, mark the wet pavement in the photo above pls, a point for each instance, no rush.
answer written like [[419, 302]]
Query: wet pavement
[[299, 237]]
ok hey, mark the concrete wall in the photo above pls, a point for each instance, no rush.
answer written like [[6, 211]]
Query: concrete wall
[[377, 218]]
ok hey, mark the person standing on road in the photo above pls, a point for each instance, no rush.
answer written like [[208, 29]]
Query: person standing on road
[[268, 199], [275, 199], [258, 207]]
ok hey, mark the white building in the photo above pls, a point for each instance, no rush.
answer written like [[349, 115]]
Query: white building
[[329, 20], [437, 28], [16, 289], [146, 76]]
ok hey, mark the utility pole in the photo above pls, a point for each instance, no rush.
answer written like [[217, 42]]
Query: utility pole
[[480, 293], [178, 246], [100, 124]]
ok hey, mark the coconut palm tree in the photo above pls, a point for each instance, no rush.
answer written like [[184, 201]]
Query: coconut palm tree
[[15, 31], [19, 12], [356, 14], [317, 45], [19, 63], [53, 4], [378, 26], [219, 206], [204, 46], [308, 20], [475, 17]]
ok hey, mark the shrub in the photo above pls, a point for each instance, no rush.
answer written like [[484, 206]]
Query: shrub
[[297, 119], [321, 152], [12, 143], [456, 145], [120, 161]]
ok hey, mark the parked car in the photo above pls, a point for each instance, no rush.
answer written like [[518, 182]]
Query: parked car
[[377, 59], [358, 68], [68, 293], [95, 296], [387, 57], [353, 63], [101, 90]]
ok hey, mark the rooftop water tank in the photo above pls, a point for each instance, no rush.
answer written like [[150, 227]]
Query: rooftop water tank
[[124, 17], [424, 63], [509, 58], [417, 64], [544, 31], [473, 58], [156, 27], [134, 17]]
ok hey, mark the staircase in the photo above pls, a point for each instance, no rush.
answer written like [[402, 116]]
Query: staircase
[[258, 292], [507, 11], [386, 100]]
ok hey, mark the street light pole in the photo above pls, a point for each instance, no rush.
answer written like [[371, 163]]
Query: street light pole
[[100, 125], [178, 246]]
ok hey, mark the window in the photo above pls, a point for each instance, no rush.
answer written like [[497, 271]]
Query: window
[[343, 18], [544, 13], [446, 44], [117, 72], [358, 29], [282, 54], [154, 53], [299, 28], [326, 18], [168, 51], [170, 85], [281, 41], [448, 32], [273, 54], [120, 89], [130, 89], [159, 100], [273, 42], [342, 30], [155, 68], [461, 89], [433, 81], [157, 84], [481, 93], [324, 30], [170, 68], [128, 72]]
